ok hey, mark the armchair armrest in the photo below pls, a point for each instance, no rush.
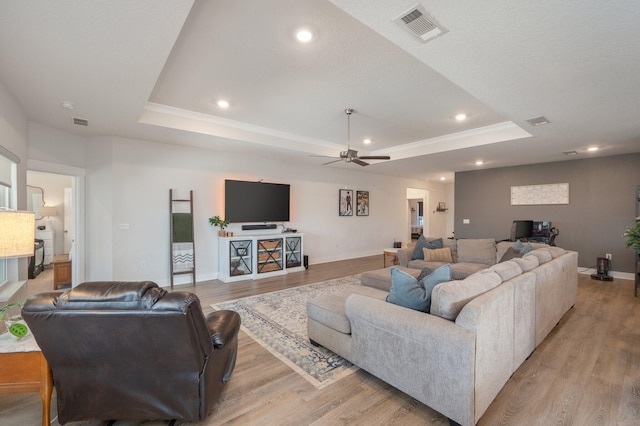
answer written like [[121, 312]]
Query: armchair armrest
[[223, 327]]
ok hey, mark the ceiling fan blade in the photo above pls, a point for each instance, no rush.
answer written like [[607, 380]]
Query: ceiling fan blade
[[375, 157], [359, 161], [331, 162]]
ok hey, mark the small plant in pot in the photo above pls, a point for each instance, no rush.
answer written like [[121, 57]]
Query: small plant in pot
[[632, 235], [222, 223]]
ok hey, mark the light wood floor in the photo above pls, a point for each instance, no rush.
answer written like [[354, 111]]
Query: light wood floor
[[586, 372]]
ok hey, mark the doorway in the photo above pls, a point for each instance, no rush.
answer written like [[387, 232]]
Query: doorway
[[417, 208], [63, 188]]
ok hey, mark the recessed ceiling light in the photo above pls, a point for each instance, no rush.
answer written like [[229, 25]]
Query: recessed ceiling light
[[67, 105], [479, 163], [461, 117], [366, 141], [592, 149], [223, 104], [304, 36], [442, 178]]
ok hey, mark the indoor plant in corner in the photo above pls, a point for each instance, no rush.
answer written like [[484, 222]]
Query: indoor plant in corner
[[222, 223], [632, 235]]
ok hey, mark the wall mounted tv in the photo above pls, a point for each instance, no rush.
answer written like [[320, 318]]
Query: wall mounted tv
[[256, 201]]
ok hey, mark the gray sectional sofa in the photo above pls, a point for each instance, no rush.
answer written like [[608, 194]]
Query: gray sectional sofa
[[456, 358]]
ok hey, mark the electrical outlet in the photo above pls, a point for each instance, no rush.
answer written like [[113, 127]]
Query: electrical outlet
[[608, 256]]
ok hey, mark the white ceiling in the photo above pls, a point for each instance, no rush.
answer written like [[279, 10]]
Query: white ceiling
[[154, 70]]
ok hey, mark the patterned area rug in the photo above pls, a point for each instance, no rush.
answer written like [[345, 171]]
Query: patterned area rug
[[278, 322]]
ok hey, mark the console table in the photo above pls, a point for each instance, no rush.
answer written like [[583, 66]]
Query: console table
[[23, 368], [250, 257]]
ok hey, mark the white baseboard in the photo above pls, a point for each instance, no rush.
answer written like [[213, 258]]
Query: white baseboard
[[614, 274]]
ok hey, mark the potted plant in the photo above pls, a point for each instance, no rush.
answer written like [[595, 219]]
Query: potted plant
[[222, 223], [14, 324], [632, 235]]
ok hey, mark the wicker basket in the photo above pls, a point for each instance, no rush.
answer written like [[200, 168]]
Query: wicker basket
[[269, 267], [269, 244], [263, 257]]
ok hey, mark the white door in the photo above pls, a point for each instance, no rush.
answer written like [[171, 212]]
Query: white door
[[68, 219]]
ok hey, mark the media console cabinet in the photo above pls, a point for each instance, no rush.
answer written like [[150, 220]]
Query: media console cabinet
[[250, 257]]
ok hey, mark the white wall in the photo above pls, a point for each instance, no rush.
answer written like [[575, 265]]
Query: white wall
[[128, 182]]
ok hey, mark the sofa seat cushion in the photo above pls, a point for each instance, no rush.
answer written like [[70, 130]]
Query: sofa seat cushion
[[448, 299], [381, 278], [477, 250], [459, 271], [328, 309]]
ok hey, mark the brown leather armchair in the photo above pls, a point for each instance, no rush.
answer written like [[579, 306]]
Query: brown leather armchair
[[131, 350]]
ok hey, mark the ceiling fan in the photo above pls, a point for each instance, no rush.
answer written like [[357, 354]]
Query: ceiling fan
[[351, 155]]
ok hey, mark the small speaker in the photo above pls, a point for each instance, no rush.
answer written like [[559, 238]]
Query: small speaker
[[305, 261]]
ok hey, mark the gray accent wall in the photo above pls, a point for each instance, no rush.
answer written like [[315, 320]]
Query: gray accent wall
[[601, 204]]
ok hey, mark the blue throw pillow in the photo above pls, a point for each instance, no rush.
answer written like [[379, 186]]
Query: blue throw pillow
[[521, 247], [526, 249], [423, 243], [407, 291], [518, 245]]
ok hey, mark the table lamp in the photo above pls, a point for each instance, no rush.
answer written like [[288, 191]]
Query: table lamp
[[17, 229]]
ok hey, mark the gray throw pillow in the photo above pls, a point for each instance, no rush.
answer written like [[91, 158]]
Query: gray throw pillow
[[511, 253], [423, 243]]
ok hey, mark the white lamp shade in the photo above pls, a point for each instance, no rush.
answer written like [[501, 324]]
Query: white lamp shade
[[17, 233], [47, 211]]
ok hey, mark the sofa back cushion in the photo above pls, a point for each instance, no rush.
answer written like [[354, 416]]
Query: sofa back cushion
[[542, 254], [482, 250], [507, 270], [528, 263], [448, 299]]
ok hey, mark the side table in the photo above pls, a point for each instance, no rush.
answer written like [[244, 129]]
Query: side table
[[23, 368], [61, 270], [391, 253]]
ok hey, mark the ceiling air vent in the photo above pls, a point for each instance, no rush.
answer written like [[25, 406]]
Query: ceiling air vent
[[538, 121], [418, 22], [80, 121]]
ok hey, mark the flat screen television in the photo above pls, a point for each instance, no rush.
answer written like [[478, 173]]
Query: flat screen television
[[246, 201], [521, 229]]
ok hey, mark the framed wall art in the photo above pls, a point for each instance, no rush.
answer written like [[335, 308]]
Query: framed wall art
[[528, 195], [362, 203], [345, 202]]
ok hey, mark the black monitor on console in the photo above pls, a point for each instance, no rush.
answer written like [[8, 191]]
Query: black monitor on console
[[521, 230]]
